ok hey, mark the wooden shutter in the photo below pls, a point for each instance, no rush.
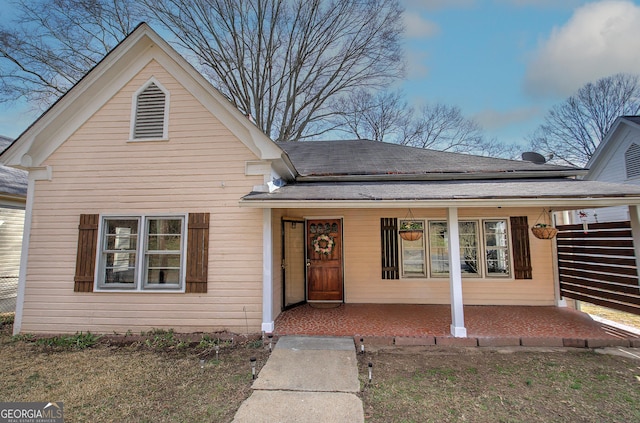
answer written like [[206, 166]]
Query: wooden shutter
[[86, 258], [389, 241], [197, 253], [521, 250], [149, 121]]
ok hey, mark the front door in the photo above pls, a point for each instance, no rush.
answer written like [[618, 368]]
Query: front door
[[324, 260]]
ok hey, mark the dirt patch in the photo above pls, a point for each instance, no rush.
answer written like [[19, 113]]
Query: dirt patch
[[476, 385], [628, 319]]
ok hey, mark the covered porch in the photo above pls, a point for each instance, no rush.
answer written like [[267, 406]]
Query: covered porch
[[415, 324]]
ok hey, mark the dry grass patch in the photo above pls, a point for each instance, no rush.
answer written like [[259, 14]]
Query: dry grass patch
[[625, 318], [138, 382], [477, 385]]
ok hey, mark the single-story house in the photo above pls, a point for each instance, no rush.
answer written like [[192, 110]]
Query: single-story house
[[154, 203], [617, 159], [13, 195]]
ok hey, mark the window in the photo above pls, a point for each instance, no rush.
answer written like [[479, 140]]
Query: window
[[439, 248], [484, 250], [413, 260], [150, 112], [632, 161], [152, 260], [496, 247]]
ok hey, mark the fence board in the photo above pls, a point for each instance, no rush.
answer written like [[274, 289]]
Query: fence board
[[623, 280], [597, 266]]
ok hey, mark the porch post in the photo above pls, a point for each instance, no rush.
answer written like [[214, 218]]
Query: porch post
[[455, 275], [267, 272], [634, 216]]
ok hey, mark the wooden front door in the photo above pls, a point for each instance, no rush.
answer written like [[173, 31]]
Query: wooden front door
[[324, 260]]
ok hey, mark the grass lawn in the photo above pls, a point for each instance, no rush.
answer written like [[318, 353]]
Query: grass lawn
[[478, 385], [157, 378], [628, 319]]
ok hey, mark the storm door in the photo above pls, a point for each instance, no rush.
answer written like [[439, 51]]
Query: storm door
[[293, 268]]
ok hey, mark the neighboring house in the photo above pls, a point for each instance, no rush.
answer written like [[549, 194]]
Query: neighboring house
[[617, 159], [13, 196], [154, 203]]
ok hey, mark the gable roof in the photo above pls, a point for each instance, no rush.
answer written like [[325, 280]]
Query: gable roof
[[606, 148], [13, 182], [366, 160], [118, 67]]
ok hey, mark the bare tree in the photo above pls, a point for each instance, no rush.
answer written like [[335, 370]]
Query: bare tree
[[54, 43], [443, 127], [572, 130], [385, 116], [282, 61], [380, 116]]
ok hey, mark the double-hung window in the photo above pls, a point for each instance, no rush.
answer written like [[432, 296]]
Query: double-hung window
[[142, 253]]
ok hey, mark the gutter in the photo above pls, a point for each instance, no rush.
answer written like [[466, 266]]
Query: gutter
[[443, 176]]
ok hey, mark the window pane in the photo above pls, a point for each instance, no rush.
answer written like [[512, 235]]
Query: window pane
[[121, 234], [496, 247], [163, 269], [164, 235]]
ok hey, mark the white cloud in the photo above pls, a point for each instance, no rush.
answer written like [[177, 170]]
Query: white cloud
[[418, 27], [599, 40], [494, 119]]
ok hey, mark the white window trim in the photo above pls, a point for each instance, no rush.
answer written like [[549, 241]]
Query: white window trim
[[482, 248], [140, 285], [134, 110]]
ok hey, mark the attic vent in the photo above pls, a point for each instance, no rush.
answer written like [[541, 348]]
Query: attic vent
[[632, 161], [150, 113]]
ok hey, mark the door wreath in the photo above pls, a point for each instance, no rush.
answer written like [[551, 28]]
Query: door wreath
[[323, 244]]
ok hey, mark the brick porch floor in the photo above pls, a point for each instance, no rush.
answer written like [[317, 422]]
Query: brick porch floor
[[506, 325]]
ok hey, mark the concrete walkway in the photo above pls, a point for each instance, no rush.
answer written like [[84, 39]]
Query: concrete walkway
[[306, 379]]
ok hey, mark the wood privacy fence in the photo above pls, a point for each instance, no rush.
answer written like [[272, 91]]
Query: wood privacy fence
[[599, 266]]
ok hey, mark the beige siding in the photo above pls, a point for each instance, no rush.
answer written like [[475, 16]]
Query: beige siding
[[97, 170], [362, 263]]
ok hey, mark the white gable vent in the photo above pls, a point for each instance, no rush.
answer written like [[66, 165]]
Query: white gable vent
[[632, 161], [150, 113]]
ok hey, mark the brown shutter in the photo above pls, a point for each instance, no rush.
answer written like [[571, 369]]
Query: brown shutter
[[86, 258], [521, 250], [197, 253], [389, 241]]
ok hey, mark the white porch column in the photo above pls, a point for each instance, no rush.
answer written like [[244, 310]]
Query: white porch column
[[455, 275], [634, 216], [267, 272]]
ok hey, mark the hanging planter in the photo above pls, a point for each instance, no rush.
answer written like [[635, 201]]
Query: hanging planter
[[544, 230], [411, 230]]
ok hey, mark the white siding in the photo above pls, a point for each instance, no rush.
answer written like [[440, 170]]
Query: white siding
[[11, 226]]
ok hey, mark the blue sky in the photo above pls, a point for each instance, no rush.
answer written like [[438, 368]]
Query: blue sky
[[503, 62]]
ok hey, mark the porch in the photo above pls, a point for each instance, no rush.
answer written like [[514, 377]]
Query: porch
[[412, 324]]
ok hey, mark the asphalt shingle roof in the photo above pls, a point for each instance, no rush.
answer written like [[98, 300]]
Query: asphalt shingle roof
[[12, 181], [364, 157]]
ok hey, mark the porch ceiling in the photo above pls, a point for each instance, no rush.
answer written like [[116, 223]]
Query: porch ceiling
[[558, 193]]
